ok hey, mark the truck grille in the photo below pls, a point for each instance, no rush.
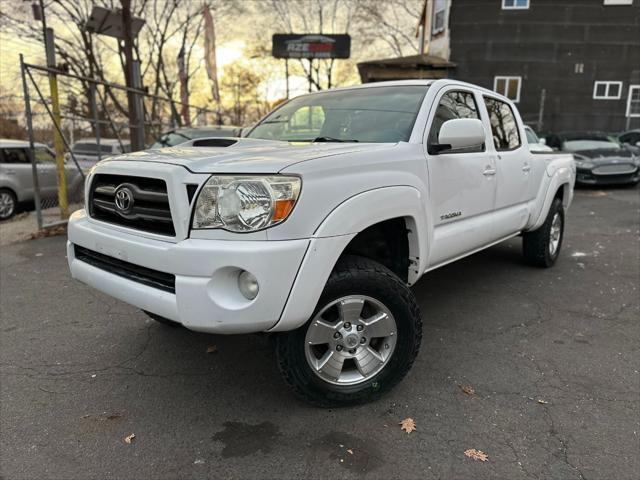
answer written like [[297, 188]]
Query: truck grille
[[615, 169], [136, 273], [134, 202]]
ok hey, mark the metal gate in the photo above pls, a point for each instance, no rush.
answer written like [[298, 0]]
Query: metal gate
[[58, 174]]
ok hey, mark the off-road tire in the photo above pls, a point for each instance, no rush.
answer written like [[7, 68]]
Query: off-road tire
[[355, 275], [535, 244], [162, 320]]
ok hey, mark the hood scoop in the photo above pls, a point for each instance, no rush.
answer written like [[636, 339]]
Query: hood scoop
[[213, 142]]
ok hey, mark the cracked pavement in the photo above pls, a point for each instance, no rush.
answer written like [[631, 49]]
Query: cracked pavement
[[553, 357]]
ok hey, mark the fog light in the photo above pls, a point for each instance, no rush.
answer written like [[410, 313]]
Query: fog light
[[248, 285]]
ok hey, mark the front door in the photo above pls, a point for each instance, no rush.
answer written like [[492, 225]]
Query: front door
[[462, 184], [514, 165]]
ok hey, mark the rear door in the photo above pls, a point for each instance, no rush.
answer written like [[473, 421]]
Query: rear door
[[47, 173], [15, 167], [513, 161], [462, 184]]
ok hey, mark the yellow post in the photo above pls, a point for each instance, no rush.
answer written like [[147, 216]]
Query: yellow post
[[49, 48], [59, 147]]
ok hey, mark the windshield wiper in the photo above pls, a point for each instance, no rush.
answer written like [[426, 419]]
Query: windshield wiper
[[332, 139]]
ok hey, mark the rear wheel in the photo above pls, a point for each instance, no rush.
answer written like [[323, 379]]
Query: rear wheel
[[8, 204], [361, 340], [541, 247]]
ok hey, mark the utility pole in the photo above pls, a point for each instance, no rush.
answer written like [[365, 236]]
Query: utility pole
[[55, 109], [132, 80]]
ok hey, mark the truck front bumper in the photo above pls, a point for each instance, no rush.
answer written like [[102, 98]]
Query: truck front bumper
[[207, 297]]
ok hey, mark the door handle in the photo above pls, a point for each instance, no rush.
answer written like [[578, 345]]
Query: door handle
[[10, 172], [526, 167], [488, 171]]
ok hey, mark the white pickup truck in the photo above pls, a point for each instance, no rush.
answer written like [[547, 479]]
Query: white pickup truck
[[314, 227]]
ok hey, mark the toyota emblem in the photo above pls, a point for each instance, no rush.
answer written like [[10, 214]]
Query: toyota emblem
[[124, 199]]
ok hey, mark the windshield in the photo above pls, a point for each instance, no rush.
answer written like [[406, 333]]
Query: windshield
[[376, 114], [170, 139], [531, 136], [578, 145]]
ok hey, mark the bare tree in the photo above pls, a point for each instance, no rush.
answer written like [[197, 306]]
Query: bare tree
[[315, 16], [393, 22]]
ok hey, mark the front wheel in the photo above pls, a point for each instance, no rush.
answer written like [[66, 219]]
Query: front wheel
[[361, 340], [541, 247], [7, 204]]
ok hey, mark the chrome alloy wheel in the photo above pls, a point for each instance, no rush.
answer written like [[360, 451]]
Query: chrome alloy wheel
[[350, 340], [7, 205], [555, 233]]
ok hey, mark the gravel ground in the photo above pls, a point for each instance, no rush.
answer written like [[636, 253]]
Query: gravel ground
[[551, 355]]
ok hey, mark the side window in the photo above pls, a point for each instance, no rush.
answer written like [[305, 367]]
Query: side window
[[14, 155], [504, 127], [455, 104], [44, 156]]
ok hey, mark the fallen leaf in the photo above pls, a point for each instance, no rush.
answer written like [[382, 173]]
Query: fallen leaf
[[476, 454], [468, 389], [408, 425], [129, 439], [350, 451], [542, 402], [212, 349]]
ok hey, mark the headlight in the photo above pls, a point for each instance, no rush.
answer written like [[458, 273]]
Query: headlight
[[245, 203], [582, 162]]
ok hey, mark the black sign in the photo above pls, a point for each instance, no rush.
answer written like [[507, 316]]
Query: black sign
[[316, 45]]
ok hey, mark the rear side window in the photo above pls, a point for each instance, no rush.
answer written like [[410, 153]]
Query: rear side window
[[44, 156], [457, 104], [14, 155], [504, 127]]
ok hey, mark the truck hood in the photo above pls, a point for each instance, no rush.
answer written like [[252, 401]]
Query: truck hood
[[245, 155], [605, 156]]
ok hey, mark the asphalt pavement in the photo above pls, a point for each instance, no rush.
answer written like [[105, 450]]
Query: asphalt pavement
[[538, 369]]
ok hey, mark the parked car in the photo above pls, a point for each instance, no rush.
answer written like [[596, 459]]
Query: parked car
[[631, 140], [182, 135], [536, 144], [16, 175], [317, 241], [599, 158], [632, 137], [87, 151]]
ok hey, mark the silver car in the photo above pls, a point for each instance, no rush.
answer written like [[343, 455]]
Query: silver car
[[16, 178], [88, 151]]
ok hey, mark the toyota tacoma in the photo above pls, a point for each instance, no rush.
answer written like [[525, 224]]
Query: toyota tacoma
[[314, 226]]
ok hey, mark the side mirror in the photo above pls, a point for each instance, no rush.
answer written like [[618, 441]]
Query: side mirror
[[543, 141], [460, 133]]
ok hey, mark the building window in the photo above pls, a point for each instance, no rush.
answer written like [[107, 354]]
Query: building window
[[618, 2], [515, 4], [439, 16], [633, 102], [508, 86], [607, 90]]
